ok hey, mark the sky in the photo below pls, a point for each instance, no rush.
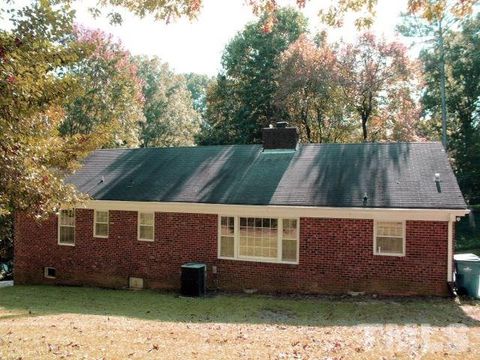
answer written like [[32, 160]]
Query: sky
[[197, 46]]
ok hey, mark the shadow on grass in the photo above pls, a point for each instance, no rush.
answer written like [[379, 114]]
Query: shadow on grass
[[20, 301]]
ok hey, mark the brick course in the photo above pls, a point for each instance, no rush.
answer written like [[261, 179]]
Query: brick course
[[336, 256]]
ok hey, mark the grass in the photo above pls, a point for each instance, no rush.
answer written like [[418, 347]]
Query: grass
[[49, 322]]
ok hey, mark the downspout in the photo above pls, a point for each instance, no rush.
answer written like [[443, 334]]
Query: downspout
[[451, 220]]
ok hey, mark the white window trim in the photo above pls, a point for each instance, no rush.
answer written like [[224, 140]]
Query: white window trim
[[236, 241], [95, 224], [404, 238], [59, 226], [138, 225], [45, 272]]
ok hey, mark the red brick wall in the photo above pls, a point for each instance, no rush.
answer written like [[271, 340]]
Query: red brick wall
[[336, 256]]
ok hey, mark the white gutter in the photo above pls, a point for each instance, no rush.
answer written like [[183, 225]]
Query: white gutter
[[279, 211]]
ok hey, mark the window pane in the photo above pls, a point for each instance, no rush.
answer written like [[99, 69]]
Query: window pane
[[67, 235], [227, 226], [289, 250], [289, 233], [258, 237], [146, 232], [67, 217], [227, 246], [101, 229], [146, 218], [102, 216], [389, 245], [390, 228], [274, 224]]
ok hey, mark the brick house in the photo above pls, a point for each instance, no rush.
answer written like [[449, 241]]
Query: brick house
[[282, 217]]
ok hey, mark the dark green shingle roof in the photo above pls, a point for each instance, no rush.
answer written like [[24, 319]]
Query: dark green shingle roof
[[396, 175]]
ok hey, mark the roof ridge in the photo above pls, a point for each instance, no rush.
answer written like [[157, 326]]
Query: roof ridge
[[257, 145], [175, 147]]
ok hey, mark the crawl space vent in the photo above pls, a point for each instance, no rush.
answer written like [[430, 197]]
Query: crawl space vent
[[135, 283]]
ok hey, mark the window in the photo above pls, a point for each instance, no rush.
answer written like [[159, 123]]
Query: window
[[50, 273], [101, 224], [289, 240], [389, 238], [66, 227], [146, 226], [259, 239], [227, 237]]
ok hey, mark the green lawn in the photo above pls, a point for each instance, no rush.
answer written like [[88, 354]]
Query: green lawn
[[47, 322], [256, 309]]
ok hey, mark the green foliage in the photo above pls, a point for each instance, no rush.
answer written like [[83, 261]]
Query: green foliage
[[462, 58], [310, 94], [380, 83], [331, 93], [6, 237], [159, 9], [242, 100], [198, 84], [171, 119], [468, 231], [36, 59], [111, 105]]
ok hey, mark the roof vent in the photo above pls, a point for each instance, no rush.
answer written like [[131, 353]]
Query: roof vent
[[437, 182], [281, 136]]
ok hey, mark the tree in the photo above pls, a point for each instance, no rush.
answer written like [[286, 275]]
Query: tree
[[462, 63], [309, 92], [198, 84], [171, 119], [242, 101], [36, 82], [378, 80], [433, 19], [111, 105], [334, 14]]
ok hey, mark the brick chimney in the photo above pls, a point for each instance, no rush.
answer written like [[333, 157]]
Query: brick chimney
[[281, 136]]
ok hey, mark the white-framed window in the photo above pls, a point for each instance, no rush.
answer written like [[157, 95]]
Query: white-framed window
[[66, 227], [100, 228], [389, 238], [258, 239], [146, 226], [227, 237], [49, 272]]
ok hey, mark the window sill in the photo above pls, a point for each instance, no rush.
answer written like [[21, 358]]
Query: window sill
[[389, 254], [259, 260], [65, 244], [146, 240], [100, 237]]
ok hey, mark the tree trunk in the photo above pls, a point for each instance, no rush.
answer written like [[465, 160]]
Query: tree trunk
[[442, 84], [364, 127]]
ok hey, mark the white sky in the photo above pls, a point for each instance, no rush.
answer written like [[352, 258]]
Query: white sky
[[197, 46]]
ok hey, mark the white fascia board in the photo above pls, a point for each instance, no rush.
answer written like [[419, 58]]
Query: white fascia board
[[278, 211]]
